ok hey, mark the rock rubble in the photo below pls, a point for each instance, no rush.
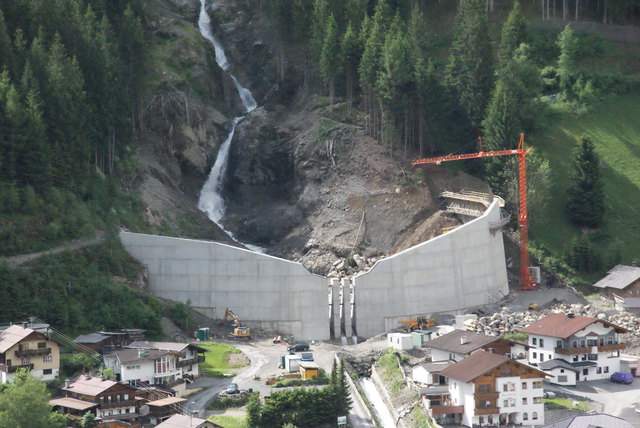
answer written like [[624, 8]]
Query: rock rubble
[[506, 322]]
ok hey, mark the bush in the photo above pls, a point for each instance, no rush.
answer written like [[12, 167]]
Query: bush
[[228, 402]]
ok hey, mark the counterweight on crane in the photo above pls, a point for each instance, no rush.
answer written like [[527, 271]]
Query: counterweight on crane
[[526, 282]]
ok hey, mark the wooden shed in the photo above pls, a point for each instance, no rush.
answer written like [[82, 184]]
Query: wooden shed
[[308, 369]]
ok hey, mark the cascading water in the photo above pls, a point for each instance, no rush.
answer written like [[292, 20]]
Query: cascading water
[[211, 200]]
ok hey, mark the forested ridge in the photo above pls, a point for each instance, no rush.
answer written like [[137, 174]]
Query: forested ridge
[[426, 88], [71, 75]]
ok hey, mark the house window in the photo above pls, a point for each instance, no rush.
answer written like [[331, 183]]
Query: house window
[[592, 342], [485, 404], [485, 388], [524, 385], [575, 343], [47, 359], [537, 384], [602, 341], [42, 345], [542, 343], [535, 355], [47, 371], [524, 401], [164, 365], [583, 343], [614, 354], [505, 403], [25, 361], [506, 371], [609, 340], [561, 370], [481, 420], [592, 357], [541, 357], [575, 358], [534, 341], [559, 344], [126, 397], [537, 400], [505, 387], [599, 370], [534, 415], [490, 419], [525, 416], [606, 369], [585, 372], [562, 379], [126, 410], [512, 387]]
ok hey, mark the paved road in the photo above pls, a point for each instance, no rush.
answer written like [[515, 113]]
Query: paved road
[[211, 387]]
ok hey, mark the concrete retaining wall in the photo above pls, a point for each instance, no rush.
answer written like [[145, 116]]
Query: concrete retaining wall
[[460, 269], [264, 291]]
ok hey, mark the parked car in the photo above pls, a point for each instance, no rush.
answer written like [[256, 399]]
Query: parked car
[[306, 356], [621, 377], [298, 347], [232, 388]]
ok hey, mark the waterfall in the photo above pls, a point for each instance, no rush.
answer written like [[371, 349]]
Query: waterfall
[[211, 201]]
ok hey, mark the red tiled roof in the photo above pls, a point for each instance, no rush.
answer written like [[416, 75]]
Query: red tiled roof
[[479, 363], [87, 385], [563, 326]]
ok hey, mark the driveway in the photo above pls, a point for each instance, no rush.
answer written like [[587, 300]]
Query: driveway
[[211, 387], [617, 399]]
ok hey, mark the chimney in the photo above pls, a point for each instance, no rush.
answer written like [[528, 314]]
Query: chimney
[[571, 315], [463, 340], [141, 352], [67, 383]]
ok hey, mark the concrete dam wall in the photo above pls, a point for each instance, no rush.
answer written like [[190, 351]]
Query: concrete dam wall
[[264, 291], [460, 269]]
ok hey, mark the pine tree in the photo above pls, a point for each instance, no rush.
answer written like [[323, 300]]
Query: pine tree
[[35, 163], [345, 401], [319, 25], [514, 33], [585, 203], [469, 69], [351, 52], [7, 55], [568, 43], [330, 59]]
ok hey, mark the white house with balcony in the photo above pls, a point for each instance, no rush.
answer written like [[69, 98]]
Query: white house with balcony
[[590, 346], [488, 389], [157, 363]]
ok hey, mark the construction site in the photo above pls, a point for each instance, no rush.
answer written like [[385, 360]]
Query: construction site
[[462, 269]]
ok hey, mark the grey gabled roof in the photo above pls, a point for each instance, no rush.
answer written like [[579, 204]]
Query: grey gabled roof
[[619, 277], [556, 362], [589, 421], [90, 338], [452, 342]]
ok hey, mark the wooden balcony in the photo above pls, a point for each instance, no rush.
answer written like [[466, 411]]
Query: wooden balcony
[[190, 361], [32, 352], [612, 347], [486, 395], [116, 404], [13, 369], [573, 351], [484, 411]]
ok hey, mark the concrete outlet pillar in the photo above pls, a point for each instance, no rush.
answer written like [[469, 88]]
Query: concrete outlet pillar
[[334, 315], [346, 306]]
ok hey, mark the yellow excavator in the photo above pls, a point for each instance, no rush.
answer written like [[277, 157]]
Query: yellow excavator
[[419, 322], [240, 332]]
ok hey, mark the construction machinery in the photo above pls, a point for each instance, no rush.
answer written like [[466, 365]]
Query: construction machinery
[[419, 322], [240, 332], [527, 281]]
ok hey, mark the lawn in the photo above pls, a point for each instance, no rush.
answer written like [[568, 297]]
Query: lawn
[[216, 362], [614, 127], [565, 403], [227, 421]]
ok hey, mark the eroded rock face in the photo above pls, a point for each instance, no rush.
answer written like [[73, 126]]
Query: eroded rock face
[[186, 116]]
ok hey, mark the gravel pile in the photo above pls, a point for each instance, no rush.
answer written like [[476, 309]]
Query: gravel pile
[[506, 322]]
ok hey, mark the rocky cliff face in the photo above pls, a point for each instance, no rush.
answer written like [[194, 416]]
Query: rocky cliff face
[[186, 115]]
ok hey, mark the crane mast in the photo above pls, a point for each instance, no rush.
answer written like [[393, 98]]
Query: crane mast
[[526, 282]]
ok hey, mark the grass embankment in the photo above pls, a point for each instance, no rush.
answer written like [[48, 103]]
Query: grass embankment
[[389, 371], [216, 362], [614, 128], [227, 421], [565, 403]]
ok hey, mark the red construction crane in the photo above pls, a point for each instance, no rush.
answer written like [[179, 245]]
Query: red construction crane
[[526, 282]]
